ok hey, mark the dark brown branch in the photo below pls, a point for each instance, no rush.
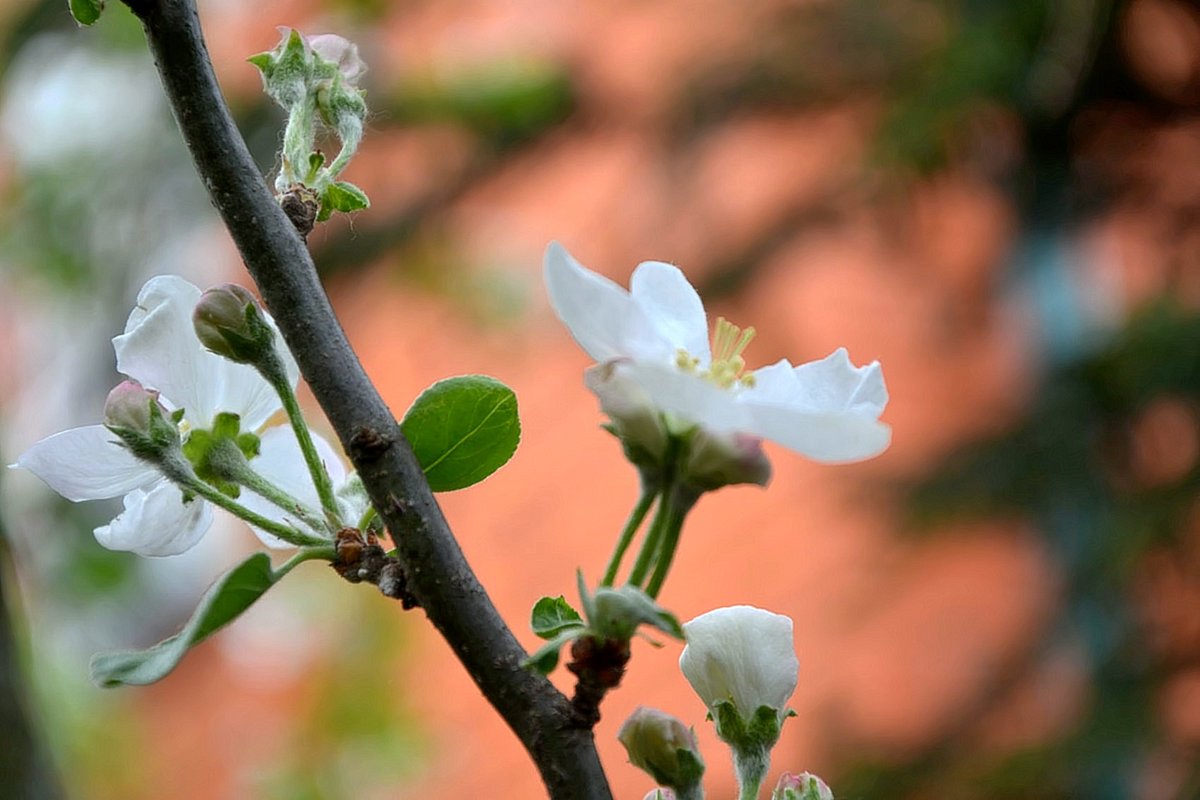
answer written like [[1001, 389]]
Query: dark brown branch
[[437, 574]]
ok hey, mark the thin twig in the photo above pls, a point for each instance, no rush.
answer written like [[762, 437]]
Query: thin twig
[[437, 574]]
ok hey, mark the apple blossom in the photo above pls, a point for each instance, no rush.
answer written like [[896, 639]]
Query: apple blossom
[[159, 350], [742, 663], [651, 345]]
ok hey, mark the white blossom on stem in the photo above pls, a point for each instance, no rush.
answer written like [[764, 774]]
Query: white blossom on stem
[[651, 344], [160, 351]]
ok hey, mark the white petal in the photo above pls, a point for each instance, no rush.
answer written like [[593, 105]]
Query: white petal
[[831, 437], [86, 464], [282, 463], [827, 410], [689, 396], [156, 522], [602, 316], [160, 350], [670, 302], [743, 654], [833, 383]]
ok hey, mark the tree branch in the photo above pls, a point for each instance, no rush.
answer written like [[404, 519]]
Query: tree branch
[[438, 576]]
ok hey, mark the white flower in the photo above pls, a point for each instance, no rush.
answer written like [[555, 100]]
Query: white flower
[[159, 349], [741, 654], [652, 346]]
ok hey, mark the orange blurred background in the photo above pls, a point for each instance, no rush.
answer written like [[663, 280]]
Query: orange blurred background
[[981, 199]]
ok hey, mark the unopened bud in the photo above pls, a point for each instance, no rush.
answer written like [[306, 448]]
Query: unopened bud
[[230, 323], [804, 786], [341, 52], [660, 794], [128, 406], [133, 413], [662, 746]]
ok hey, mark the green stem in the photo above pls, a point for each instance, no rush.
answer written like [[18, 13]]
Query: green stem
[[678, 501], [180, 471], [277, 377], [751, 765], [634, 522], [256, 483], [364, 522], [645, 557], [324, 552], [351, 136], [297, 144]]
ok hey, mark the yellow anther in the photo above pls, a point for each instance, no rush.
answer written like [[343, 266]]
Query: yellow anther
[[728, 367]]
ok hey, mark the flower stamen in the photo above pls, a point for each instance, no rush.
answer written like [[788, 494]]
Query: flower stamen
[[728, 366]]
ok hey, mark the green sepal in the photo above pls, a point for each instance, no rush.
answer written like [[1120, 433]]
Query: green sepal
[[618, 613], [759, 732], [690, 769], [545, 658], [462, 430], [553, 615], [225, 600], [342, 196], [211, 451], [86, 12]]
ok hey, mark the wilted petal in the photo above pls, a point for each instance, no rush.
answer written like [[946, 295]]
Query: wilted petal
[[673, 306], [281, 462], [86, 464], [743, 654], [602, 316], [156, 522]]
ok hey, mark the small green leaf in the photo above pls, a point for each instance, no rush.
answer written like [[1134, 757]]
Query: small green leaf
[[462, 430], [232, 594], [86, 12], [553, 615], [344, 196], [546, 657]]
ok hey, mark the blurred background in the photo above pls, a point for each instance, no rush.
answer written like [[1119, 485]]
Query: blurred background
[[998, 201]]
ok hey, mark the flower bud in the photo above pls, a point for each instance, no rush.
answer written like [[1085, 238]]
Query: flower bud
[[341, 52], [230, 323], [804, 786], [662, 746], [133, 413], [128, 406], [660, 794], [723, 459], [742, 663]]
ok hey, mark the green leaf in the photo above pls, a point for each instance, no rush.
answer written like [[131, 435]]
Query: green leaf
[[86, 12], [343, 196], [553, 615], [546, 657], [232, 594], [462, 430]]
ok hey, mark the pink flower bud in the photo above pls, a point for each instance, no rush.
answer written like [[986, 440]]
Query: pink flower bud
[[804, 786], [128, 406]]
